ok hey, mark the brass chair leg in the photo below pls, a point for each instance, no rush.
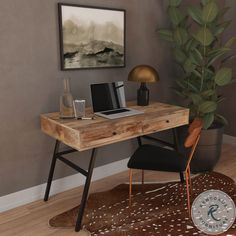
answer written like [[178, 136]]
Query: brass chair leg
[[190, 183], [130, 186], [142, 176], [188, 194]]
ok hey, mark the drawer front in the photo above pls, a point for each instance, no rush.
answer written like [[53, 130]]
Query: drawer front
[[109, 133], [170, 121]]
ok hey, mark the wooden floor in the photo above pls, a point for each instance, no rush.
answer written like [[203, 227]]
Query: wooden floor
[[32, 219]]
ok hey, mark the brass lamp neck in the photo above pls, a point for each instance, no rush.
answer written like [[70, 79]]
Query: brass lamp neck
[[143, 86]]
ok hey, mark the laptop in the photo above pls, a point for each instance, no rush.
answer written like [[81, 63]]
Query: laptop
[[109, 100]]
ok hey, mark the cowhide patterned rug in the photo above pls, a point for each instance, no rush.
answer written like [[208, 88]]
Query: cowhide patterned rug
[[157, 209]]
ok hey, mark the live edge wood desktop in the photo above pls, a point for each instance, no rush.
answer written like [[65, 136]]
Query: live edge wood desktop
[[82, 135]]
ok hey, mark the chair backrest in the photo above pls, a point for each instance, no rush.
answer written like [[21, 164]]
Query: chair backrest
[[193, 137], [194, 131]]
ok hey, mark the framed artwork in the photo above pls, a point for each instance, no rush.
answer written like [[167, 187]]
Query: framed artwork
[[91, 37]]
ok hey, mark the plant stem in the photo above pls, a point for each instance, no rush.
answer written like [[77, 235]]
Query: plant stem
[[203, 65]]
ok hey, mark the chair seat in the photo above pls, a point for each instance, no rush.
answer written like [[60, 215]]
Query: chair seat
[[150, 157]]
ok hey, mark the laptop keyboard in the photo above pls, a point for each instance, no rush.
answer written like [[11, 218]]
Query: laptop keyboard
[[114, 112]]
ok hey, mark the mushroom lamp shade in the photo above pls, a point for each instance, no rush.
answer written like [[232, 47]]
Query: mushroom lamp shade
[[143, 74]]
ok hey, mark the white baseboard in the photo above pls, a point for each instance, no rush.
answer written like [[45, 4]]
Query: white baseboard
[[229, 139], [29, 195]]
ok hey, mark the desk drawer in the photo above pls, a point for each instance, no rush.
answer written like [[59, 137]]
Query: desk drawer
[[169, 121], [115, 131]]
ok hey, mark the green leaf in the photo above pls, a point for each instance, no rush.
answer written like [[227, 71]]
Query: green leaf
[[230, 57], [191, 44], [209, 71], [196, 14], [221, 119], [192, 86], [187, 84], [223, 76], [208, 120], [204, 36], [180, 56], [174, 3], [230, 42], [181, 83], [220, 28], [166, 35], [197, 73], [205, 2], [209, 12], [175, 15], [196, 57], [184, 22], [196, 98], [189, 65], [208, 93], [180, 93], [207, 107], [219, 53], [198, 53], [180, 36], [220, 99]]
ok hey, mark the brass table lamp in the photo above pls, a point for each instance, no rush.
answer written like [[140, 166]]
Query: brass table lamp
[[144, 74]]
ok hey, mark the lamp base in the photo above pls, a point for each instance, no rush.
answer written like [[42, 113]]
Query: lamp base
[[143, 95]]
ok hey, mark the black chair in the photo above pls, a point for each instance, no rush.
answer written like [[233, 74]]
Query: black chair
[[151, 157]]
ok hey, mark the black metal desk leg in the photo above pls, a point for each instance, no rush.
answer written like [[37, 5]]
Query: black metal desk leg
[[52, 168], [181, 176], [139, 141], [85, 192], [176, 143]]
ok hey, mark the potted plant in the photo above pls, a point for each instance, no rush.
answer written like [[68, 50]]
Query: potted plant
[[196, 38]]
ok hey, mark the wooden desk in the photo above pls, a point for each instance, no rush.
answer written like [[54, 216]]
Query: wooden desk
[[82, 135]]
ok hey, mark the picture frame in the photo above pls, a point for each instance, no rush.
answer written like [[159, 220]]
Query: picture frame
[[91, 37]]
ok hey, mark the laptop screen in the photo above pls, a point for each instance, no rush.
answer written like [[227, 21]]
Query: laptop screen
[[108, 96]]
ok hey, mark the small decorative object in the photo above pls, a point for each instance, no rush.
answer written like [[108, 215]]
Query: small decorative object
[[91, 37], [144, 74], [66, 101], [79, 108]]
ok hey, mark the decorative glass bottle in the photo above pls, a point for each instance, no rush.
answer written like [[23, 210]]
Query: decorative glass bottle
[[66, 101]]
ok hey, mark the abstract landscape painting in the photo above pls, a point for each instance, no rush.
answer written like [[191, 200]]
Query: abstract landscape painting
[[91, 37]]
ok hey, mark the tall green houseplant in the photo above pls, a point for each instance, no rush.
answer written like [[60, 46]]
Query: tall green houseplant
[[196, 37]]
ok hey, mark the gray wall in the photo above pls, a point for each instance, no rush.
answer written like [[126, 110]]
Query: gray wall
[[31, 82], [228, 107]]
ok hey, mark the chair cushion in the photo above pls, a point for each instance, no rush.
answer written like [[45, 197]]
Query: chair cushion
[[150, 157]]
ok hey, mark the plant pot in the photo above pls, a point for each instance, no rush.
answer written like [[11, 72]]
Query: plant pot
[[208, 151]]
